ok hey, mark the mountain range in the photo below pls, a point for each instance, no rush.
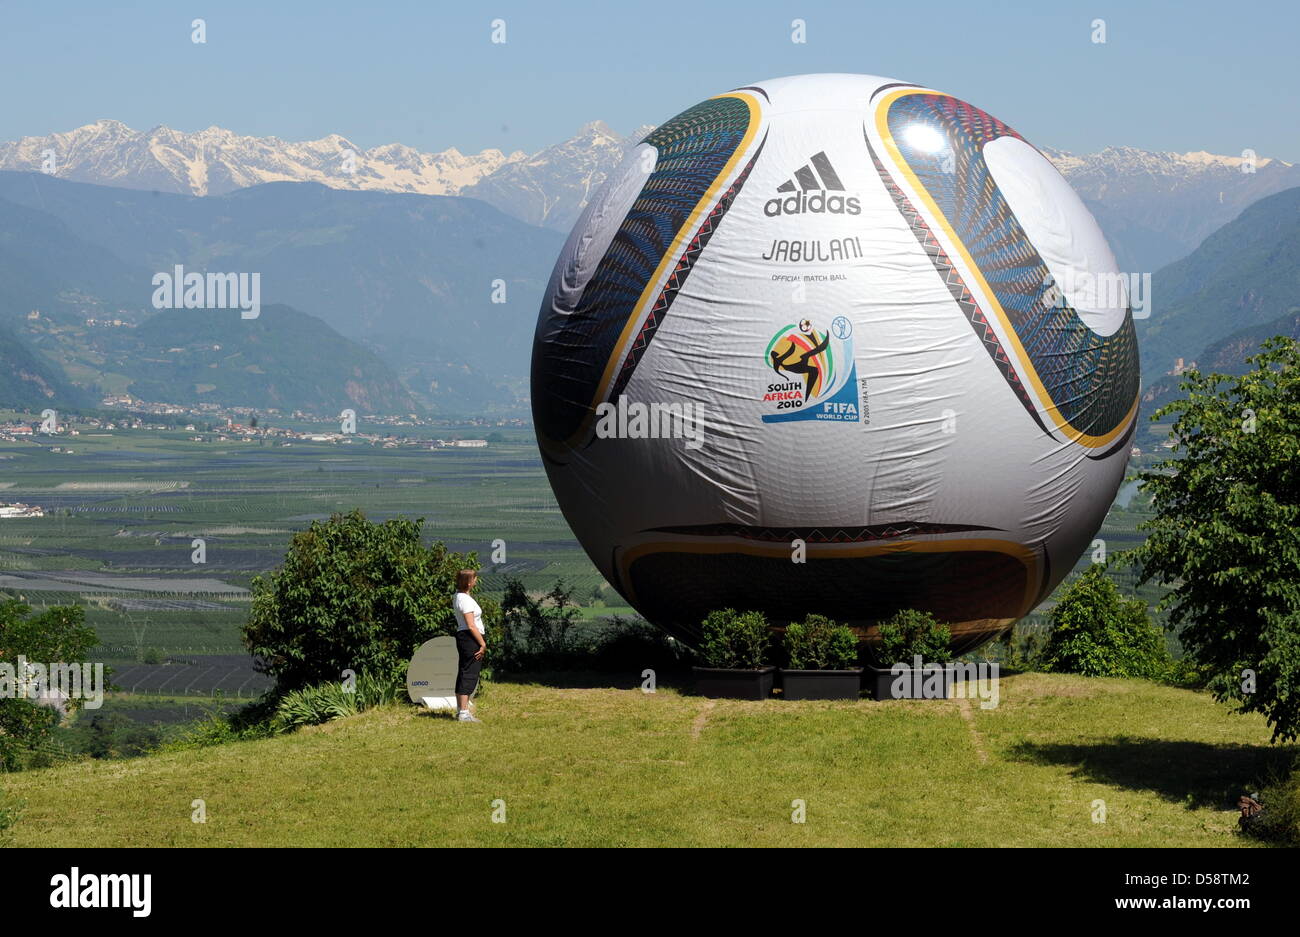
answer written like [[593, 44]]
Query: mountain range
[[216, 161], [427, 301], [1153, 207], [445, 289], [1158, 207]]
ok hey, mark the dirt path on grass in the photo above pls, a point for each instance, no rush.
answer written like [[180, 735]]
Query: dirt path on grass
[[698, 725], [963, 705]]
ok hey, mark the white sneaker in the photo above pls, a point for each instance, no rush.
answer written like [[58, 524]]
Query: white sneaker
[[466, 717]]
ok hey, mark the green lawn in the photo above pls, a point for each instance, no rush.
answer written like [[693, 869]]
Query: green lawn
[[607, 767]]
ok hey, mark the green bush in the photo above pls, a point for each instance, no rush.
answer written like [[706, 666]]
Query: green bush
[[112, 735], [1098, 633], [318, 704], [219, 728], [818, 643], [735, 640], [1279, 821], [1020, 648], [910, 633], [547, 635], [634, 644], [1187, 674], [352, 595], [57, 635], [534, 634]]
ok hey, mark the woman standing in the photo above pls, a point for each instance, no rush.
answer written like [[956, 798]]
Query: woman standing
[[469, 641]]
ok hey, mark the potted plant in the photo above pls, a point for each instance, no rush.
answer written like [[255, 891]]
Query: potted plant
[[821, 655], [911, 658], [734, 656]]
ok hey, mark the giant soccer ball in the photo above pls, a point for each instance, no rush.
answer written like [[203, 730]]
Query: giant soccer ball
[[835, 344]]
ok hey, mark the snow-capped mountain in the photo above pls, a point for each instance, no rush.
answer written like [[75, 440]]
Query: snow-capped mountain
[[548, 189], [1158, 207], [1153, 207], [551, 188], [217, 161]]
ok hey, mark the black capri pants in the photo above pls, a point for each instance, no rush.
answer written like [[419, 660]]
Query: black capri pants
[[467, 677]]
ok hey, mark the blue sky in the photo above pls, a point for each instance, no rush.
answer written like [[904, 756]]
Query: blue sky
[[1171, 76]]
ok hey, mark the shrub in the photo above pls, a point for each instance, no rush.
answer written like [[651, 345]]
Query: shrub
[[1187, 674], [318, 704], [910, 633], [112, 735], [535, 634], [219, 728], [734, 640], [351, 595], [547, 635], [1021, 648], [818, 643], [1098, 633], [1279, 821], [57, 635], [634, 644]]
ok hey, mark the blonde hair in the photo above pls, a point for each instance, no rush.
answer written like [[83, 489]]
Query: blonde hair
[[465, 579]]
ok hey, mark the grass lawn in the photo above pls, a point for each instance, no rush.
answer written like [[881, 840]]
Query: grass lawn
[[603, 766]]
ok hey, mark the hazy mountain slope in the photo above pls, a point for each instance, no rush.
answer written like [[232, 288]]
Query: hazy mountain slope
[[28, 382], [1244, 275], [1226, 356], [284, 358], [44, 263], [412, 276], [78, 322]]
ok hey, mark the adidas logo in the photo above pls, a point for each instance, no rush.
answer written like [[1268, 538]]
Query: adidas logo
[[815, 180]]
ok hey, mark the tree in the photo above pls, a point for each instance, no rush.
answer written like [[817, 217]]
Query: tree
[[57, 636], [1096, 632], [1226, 532], [100, 735], [535, 635], [352, 595]]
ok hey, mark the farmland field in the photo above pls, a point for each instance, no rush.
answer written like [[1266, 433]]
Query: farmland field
[[126, 509]]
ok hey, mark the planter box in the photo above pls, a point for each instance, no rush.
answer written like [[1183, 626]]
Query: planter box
[[734, 684], [821, 684], [918, 684]]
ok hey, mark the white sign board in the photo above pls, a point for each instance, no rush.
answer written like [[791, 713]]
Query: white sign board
[[431, 677]]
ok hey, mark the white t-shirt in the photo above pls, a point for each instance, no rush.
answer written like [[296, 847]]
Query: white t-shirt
[[465, 603]]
